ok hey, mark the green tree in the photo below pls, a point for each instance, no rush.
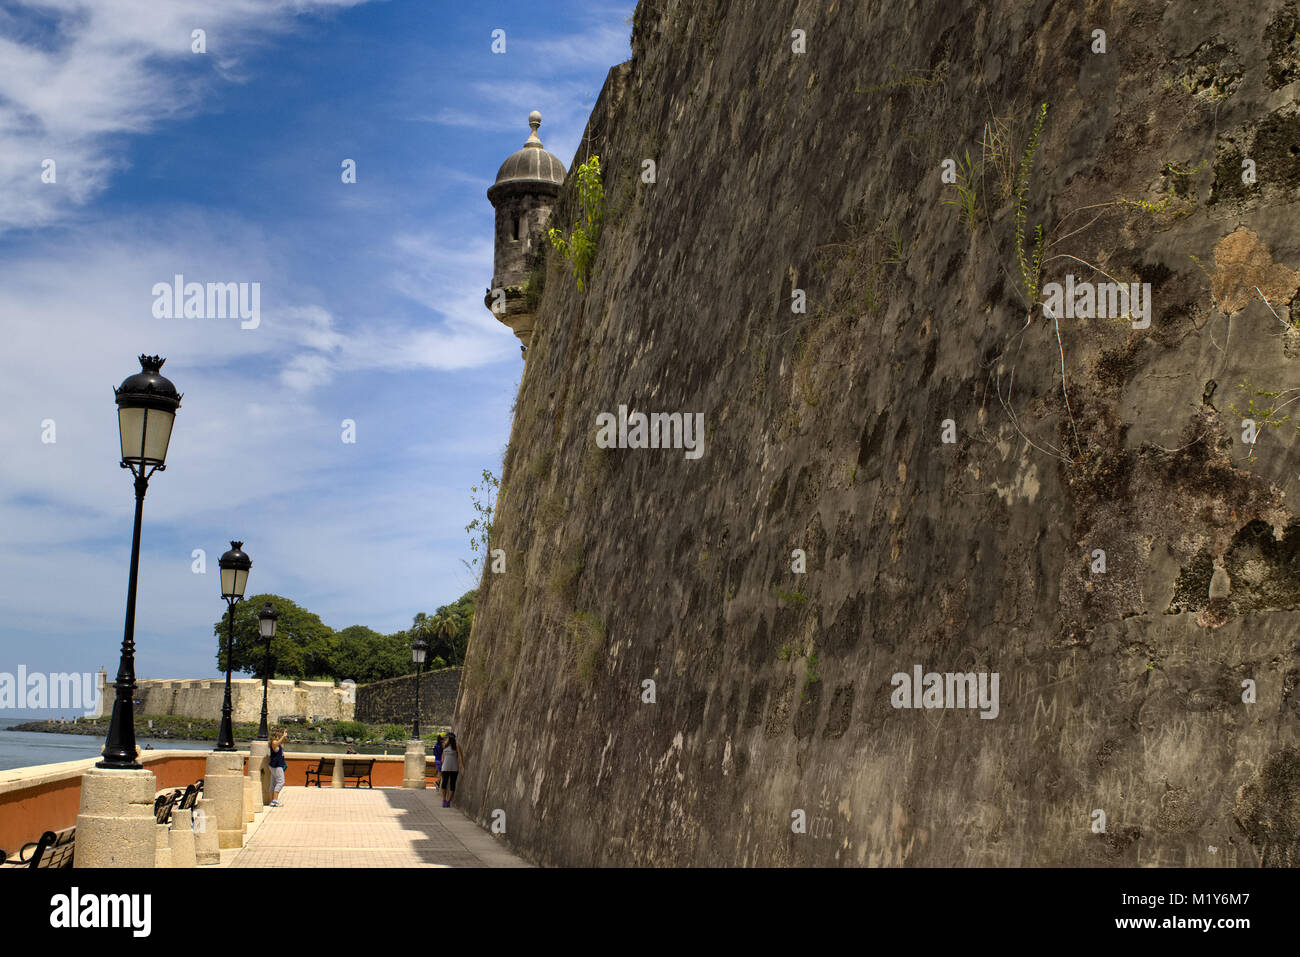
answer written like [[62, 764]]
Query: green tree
[[447, 630], [302, 647], [364, 655]]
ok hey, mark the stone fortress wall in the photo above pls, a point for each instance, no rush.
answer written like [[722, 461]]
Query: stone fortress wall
[[203, 698], [392, 701], [650, 640]]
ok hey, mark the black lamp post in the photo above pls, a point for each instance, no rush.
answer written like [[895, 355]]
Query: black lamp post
[[266, 619], [418, 651], [146, 409], [234, 577]]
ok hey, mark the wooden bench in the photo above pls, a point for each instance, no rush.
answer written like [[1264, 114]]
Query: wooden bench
[[54, 849], [431, 772], [356, 769], [163, 805]]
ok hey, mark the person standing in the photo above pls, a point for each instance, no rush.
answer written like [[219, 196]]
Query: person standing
[[437, 760], [278, 765], [453, 762]]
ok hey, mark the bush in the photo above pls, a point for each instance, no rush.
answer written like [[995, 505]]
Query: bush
[[350, 729], [579, 247], [395, 732]]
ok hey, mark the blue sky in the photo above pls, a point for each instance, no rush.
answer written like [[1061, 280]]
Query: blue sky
[[225, 167]]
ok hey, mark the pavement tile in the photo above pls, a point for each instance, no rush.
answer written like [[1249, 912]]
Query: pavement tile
[[361, 827]]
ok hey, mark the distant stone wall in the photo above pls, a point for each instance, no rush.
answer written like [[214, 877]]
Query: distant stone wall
[[393, 701], [203, 698]]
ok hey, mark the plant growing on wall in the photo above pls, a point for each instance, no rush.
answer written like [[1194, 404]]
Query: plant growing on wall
[[1264, 415], [965, 194], [1030, 264], [579, 247], [483, 498]]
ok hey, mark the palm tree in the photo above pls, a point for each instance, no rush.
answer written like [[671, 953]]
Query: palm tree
[[422, 626], [446, 625]]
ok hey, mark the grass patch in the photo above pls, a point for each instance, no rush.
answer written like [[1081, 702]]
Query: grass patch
[[966, 198], [564, 576], [541, 466], [790, 597], [551, 511], [586, 633], [903, 79]]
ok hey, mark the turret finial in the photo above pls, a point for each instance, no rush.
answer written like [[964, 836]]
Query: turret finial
[[534, 121]]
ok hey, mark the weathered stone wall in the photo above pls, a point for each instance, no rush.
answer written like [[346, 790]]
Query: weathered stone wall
[[392, 701], [1121, 690], [203, 698]]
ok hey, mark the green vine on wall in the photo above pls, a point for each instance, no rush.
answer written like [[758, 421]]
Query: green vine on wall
[[1031, 267], [579, 247]]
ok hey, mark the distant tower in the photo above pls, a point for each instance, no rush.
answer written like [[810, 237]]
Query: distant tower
[[526, 187]]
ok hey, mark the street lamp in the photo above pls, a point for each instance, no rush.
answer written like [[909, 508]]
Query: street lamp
[[418, 651], [146, 408], [266, 619], [234, 577]]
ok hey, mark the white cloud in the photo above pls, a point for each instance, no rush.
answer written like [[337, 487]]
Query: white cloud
[[605, 40], [113, 69]]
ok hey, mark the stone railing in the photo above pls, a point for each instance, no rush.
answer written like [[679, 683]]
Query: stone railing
[[48, 797]]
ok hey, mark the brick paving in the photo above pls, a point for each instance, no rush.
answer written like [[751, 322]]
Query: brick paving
[[360, 827]]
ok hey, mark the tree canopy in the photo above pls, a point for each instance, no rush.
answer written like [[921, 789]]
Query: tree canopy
[[305, 647]]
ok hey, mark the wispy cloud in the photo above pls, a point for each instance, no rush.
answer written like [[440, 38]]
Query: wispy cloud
[[79, 74], [606, 38]]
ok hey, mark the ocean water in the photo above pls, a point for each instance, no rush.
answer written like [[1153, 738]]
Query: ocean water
[[21, 749]]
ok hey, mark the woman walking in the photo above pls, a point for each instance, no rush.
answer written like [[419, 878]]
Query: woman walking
[[277, 766], [453, 762]]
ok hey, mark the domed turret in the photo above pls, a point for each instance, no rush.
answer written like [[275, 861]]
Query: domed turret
[[532, 167], [523, 195]]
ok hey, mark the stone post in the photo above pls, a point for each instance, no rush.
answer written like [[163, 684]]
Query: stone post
[[163, 847], [207, 847], [338, 771], [115, 822], [223, 783], [182, 838], [413, 770], [259, 770]]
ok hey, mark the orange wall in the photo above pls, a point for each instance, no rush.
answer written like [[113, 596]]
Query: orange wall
[[385, 774], [178, 771], [27, 813]]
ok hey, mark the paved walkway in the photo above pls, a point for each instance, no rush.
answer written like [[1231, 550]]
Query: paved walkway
[[360, 827]]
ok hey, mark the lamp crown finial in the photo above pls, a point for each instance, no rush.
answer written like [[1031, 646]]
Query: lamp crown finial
[[151, 363]]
